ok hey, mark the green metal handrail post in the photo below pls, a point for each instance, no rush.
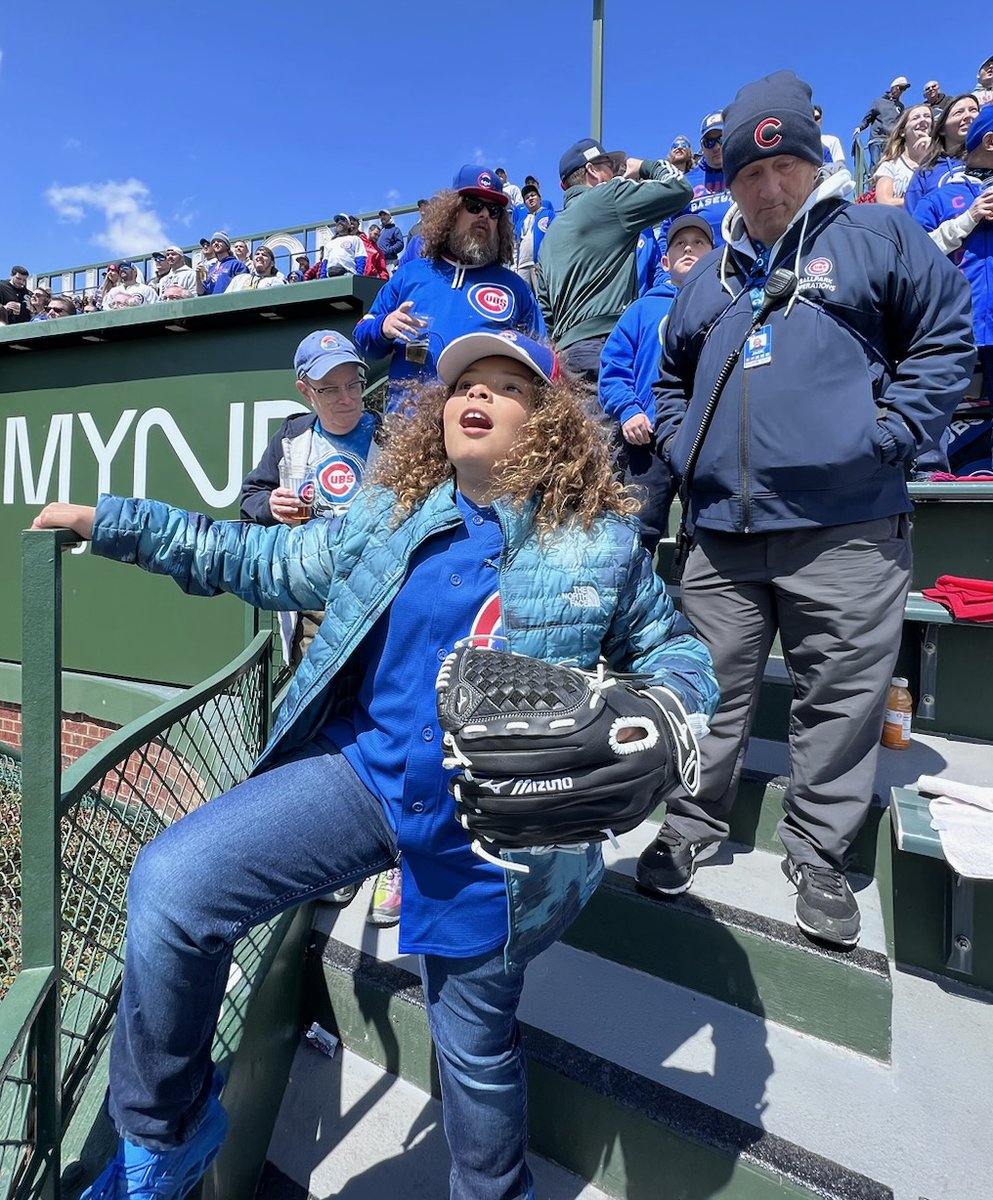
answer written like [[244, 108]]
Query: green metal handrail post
[[596, 119], [265, 716], [41, 842]]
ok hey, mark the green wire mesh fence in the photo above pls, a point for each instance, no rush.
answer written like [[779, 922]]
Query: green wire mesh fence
[[114, 801]]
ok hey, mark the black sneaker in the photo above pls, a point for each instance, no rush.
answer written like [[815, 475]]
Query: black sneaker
[[825, 907], [667, 865]]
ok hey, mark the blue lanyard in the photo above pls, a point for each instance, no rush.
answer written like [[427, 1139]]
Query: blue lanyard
[[759, 275]]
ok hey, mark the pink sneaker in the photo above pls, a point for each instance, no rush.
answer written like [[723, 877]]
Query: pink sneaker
[[386, 898]]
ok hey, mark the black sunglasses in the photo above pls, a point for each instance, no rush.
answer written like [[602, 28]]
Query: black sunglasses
[[712, 140], [473, 205]]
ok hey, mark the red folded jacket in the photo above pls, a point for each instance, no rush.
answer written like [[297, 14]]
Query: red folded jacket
[[967, 599], [944, 477]]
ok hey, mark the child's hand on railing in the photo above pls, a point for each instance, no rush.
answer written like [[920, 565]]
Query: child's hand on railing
[[77, 517]]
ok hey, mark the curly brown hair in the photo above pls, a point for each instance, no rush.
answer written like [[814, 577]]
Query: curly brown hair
[[562, 455], [439, 221]]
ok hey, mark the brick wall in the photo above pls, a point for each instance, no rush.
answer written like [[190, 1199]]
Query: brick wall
[[153, 774], [79, 732]]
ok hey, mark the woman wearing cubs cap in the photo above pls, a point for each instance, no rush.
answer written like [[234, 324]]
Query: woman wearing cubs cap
[[495, 516]]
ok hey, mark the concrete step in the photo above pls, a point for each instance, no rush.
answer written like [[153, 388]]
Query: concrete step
[[629, 1121], [348, 1129], [733, 938], [633, 1075]]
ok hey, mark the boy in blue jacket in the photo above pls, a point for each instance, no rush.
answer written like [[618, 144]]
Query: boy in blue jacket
[[629, 367]]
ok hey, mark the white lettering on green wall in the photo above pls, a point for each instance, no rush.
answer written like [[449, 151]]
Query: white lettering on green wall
[[135, 445]]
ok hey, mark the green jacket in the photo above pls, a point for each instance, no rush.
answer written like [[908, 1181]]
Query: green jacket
[[586, 266]]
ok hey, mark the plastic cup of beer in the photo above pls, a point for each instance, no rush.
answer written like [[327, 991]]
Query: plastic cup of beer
[[299, 481], [418, 344]]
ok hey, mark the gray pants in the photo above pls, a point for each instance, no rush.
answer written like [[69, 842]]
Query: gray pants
[[836, 598]]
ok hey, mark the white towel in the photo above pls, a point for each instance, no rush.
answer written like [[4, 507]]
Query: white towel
[[962, 813]]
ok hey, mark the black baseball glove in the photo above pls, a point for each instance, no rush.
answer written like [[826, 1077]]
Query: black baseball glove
[[555, 756]]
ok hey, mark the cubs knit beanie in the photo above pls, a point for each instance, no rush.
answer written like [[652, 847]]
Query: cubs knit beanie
[[771, 116]]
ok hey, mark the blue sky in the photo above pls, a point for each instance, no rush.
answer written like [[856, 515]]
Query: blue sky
[[129, 125]]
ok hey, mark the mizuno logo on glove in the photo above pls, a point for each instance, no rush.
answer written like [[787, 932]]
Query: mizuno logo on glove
[[526, 787]]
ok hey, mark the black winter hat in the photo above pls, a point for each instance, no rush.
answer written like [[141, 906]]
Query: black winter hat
[[771, 116]]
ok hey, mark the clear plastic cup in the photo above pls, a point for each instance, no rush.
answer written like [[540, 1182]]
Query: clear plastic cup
[[300, 481]]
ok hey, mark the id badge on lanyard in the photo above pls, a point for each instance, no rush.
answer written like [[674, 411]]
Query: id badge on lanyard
[[758, 348]]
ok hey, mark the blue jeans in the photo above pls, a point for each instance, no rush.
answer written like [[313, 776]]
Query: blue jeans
[[299, 830]]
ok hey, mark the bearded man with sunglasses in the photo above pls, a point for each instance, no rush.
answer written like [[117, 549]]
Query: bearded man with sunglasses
[[460, 284], [587, 270]]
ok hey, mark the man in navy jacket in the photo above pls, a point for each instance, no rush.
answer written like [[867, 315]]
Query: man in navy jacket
[[798, 504], [390, 239]]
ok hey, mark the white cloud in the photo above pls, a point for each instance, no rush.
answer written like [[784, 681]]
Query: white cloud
[[480, 157], [72, 143], [393, 196], [186, 214], [132, 225]]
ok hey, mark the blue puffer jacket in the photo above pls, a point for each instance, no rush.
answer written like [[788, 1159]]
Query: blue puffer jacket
[[868, 362], [577, 597]]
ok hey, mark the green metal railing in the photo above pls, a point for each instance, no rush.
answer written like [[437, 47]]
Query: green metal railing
[[64, 927], [285, 244]]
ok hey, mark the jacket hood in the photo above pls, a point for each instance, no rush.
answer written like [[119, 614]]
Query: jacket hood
[[666, 289]]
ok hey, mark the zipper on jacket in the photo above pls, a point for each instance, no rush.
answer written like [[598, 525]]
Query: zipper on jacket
[[746, 497], [388, 593]]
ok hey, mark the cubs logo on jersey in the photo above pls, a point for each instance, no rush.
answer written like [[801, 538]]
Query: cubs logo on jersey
[[338, 478], [492, 300], [487, 625]]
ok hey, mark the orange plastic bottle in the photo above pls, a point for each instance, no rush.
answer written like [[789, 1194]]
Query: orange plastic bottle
[[899, 710]]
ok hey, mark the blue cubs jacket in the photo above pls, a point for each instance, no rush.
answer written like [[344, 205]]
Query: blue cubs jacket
[[711, 200], [648, 254], [973, 254], [543, 218], [458, 299], [925, 179]]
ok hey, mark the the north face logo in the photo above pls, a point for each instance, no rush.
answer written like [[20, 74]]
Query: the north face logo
[[584, 596]]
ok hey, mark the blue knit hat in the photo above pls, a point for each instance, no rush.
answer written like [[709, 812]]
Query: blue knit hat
[[771, 116]]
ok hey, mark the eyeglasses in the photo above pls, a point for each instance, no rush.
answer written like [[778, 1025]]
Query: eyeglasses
[[58, 310], [712, 140], [473, 205], [353, 389]]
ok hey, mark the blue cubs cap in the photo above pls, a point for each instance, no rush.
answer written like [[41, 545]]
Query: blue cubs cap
[[322, 351], [982, 125], [473, 180], [711, 122], [507, 343], [586, 151]]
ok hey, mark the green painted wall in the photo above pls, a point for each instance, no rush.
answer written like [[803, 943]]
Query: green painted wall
[[175, 402]]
